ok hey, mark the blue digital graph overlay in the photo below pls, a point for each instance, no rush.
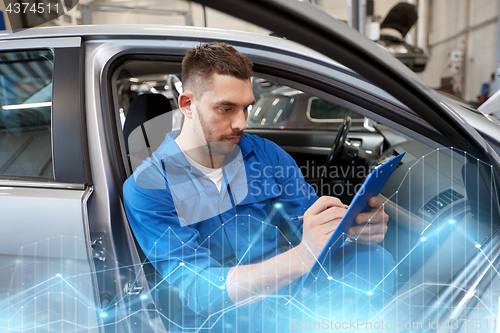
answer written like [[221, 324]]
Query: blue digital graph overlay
[[445, 257]]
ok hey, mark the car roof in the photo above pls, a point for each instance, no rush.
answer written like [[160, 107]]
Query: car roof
[[142, 30], [158, 31], [162, 31]]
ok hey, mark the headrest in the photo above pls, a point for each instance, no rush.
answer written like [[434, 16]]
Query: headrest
[[143, 108]]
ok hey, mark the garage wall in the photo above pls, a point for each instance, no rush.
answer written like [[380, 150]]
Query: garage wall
[[145, 12], [453, 26], [442, 28], [101, 17], [216, 19], [481, 60], [339, 7], [157, 12]]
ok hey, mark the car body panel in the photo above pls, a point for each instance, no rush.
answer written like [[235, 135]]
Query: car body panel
[[47, 248], [105, 254], [53, 257], [37, 41]]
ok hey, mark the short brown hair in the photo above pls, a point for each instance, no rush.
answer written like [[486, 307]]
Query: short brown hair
[[201, 62]]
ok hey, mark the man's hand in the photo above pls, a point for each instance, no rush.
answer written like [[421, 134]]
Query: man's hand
[[267, 277], [320, 221], [370, 227]]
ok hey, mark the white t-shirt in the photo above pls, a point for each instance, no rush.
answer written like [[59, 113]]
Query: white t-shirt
[[216, 175]]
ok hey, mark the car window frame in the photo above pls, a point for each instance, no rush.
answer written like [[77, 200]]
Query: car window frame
[[273, 69], [70, 160], [315, 84], [327, 120]]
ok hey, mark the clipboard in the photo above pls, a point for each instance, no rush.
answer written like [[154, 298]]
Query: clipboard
[[372, 186]]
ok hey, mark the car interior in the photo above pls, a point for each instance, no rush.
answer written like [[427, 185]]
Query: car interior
[[433, 211]]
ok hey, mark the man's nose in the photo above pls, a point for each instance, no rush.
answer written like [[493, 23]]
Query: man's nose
[[240, 121]]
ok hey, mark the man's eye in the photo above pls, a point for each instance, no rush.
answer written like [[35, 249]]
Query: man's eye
[[225, 110]]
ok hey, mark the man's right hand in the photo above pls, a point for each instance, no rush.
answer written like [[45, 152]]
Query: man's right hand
[[320, 221]]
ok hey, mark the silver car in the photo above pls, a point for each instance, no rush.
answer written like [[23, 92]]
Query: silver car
[[74, 125]]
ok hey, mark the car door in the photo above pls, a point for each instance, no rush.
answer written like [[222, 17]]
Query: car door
[[445, 301], [129, 303], [106, 59], [112, 65], [47, 273]]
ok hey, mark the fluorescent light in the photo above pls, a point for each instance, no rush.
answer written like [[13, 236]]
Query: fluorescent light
[[26, 106]]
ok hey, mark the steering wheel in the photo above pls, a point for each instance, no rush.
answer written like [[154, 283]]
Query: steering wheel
[[338, 144]]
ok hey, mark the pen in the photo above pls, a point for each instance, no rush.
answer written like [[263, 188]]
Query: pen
[[301, 217]]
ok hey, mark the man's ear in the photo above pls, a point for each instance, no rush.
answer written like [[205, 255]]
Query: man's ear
[[185, 104]]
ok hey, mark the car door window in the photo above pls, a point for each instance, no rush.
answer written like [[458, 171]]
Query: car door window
[[319, 110], [281, 107], [25, 114], [439, 218], [271, 110]]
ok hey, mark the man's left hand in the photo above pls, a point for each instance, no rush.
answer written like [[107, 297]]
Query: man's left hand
[[370, 227]]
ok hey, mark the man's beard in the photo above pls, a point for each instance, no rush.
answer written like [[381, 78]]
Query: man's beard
[[217, 145]]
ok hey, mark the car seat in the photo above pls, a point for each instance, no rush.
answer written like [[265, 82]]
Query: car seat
[[147, 122]]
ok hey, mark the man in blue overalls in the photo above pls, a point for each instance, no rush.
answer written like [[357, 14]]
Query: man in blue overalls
[[206, 207]]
